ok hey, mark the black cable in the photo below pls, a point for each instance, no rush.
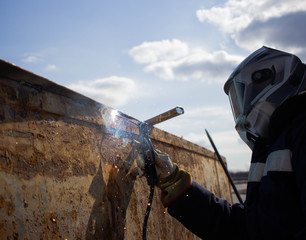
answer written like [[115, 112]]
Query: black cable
[[148, 210], [150, 171]]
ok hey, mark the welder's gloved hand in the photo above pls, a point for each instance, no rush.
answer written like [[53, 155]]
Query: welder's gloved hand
[[174, 185], [164, 166], [172, 180]]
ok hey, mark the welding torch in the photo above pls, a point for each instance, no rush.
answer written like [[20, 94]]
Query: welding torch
[[146, 146], [145, 129]]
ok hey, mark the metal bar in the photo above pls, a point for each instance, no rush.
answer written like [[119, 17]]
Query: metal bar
[[218, 178], [224, 167], [165, 116]]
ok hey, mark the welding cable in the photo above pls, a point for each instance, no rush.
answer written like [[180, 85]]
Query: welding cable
[[148, 210], [150, 171], [152, 180]]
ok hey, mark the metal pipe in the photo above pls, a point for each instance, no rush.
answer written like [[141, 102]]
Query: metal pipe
[[224, 167], [165, 116]]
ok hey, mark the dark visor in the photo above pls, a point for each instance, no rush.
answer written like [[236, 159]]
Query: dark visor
[[235, 94]]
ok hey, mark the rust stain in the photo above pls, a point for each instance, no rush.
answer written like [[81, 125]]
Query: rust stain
[[74, 215], [9, 207], [2, 229]]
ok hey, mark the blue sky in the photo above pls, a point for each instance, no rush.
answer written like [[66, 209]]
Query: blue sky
[[145, 57]]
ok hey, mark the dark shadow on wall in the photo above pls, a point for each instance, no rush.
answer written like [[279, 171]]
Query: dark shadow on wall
[[108, 216]]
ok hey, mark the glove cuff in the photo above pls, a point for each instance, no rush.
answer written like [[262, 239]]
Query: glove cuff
[[175, 185]]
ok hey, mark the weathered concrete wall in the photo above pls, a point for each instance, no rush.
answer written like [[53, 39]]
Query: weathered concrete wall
[[68, 171]]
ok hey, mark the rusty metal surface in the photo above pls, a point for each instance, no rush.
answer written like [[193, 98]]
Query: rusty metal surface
[[68, 171]]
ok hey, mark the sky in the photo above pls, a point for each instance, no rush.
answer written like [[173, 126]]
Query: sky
[[145, 57]]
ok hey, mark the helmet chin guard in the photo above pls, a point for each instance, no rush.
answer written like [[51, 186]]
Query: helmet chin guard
[[260, 84]]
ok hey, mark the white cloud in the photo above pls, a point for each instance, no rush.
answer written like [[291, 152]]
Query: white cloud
[[254, 23], [113, 91], [51, 67], [40, 59], [150, 52], [236, 15], [31, 59], [175, 60], [290, 37], [208, 67]]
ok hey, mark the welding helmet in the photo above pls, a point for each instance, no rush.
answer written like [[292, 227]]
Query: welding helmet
[[261, 83]]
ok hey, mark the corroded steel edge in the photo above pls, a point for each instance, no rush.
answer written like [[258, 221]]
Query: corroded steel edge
[[68, 193], [25, 77]]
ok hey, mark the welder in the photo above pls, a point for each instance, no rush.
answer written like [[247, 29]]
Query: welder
[[268, 100]]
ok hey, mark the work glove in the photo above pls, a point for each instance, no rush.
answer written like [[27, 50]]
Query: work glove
[[163, 165], [172, 180]]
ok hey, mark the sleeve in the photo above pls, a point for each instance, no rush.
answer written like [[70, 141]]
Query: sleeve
[[174, 185], [299, 167], [199, 210], [207, 216]]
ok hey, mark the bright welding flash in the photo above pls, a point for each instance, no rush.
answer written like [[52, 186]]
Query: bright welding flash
[[114, 113]]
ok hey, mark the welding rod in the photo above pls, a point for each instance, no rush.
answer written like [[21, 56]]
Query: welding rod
[[224, 168], [165, 116]]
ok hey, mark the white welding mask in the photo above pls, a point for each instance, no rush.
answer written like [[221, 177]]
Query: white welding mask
[[261, 83]]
